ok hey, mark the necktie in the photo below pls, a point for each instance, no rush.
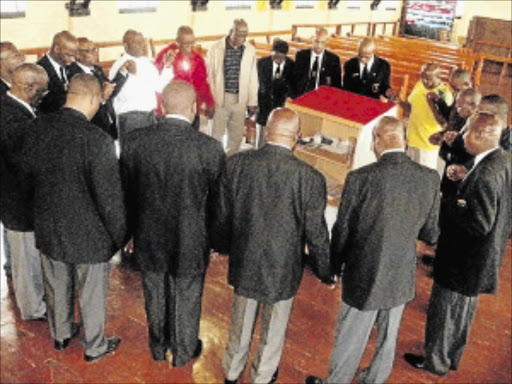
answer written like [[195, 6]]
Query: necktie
[[277, 74], [313, 75], [63, 76], [365, 73]]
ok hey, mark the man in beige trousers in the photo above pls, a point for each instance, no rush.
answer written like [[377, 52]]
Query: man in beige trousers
[[233, 77]]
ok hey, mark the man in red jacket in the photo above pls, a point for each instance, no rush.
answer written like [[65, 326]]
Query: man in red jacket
[[189, 66]]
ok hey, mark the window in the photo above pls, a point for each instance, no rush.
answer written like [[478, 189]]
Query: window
[[354, 3], [12, 9], [305, 3], [239, 4], [389, 5], [136, 6], [459, 9]]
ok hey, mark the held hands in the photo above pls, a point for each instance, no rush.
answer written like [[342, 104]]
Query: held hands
[[209, 112], [128, 248], [169, 58], [433, 97], [449, 137], [107, 89], [252, 109], [456, 172], [130, 66]]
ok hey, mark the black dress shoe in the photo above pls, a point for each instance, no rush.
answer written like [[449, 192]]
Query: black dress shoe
[[61, 345], [313, 380], [112, 345], [198, 350], [40, 318], [417, 361], [274, 377], [226, 381]]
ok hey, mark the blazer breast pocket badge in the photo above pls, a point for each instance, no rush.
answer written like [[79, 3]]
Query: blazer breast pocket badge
[[461, 203], [328, 80], [355, 74], [375, 87]]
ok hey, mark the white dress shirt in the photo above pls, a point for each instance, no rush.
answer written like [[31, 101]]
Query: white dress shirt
[[85, 68], [57, 68], [312, 61], [369, 64], [140, 89], [178, 117], [274, 68], [22, 102], [479, 158]]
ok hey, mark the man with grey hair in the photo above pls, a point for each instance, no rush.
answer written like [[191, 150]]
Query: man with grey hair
[[384, 208], [10, 59], [28, 85], [233, 76], [367, 74], [62, 53]]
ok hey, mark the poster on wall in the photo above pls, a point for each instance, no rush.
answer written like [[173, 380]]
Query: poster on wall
[[432, 19]]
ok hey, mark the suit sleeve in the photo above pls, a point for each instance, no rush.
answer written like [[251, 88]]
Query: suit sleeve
[[202, 85], [105, 186], [341, 228], [316, 232], [215, 167], [430, 230], [253, 84], [220, 233], [128, 184], [347, 77], [384, 86], [336, 72]]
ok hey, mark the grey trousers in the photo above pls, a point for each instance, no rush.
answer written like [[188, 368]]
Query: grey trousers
[[173, 310], [274, 322], [354, 329], [449, 318], [230, 116], [27, 277], [91, 281]]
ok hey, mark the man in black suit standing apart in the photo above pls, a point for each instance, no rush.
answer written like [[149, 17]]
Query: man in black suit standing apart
[[270, 206], [78, 213], [317, 66], [367, 74], [384, 208], [87, 62], [475, 224], [62, 53], [276, 77], [28, 84], [169, 172]]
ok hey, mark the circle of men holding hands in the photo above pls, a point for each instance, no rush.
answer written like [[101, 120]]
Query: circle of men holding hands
[[68, 203]]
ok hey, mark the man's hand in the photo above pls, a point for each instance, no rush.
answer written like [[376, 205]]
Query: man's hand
[[449, 137], [128, 248], [130, 66], [169, 58], [107, 89], [209, 112], [331, 282], [252, 109], [456, 172], [436, 138], [392, 95], [433, 97]]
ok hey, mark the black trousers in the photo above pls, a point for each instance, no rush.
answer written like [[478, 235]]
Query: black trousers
[[173, 310]]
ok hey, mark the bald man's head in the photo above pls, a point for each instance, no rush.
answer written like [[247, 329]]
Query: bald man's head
[[460, 79], [483, 134], [134, 43], [283, 127], [430, 75], [238, 33], [179, 97], [87, 52], [389, 133], [84, 94], [495, 105], [467, 102], [10, 59], [64, 48], [185, 39], [366, 49], [30, 83], [320, 40]]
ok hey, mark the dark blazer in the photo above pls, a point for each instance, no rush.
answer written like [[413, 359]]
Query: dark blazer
[[3, 87], [272, 93], [378, 80], [78, 202], [475, 224], [330, 70], [56, 96], [105, 118], [270, 206], [169, 172], [16, 210], [385, 207]]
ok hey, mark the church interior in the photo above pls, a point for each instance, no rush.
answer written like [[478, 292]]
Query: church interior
[[475, 36]]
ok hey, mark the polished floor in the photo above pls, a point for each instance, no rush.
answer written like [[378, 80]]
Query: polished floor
[[27, 354]]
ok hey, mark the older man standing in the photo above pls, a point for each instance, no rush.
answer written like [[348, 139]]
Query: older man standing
[[10, 59], [475, 225], [384, 208], [169, 173], [79, 214], [28, 85], [317, 66], [270, 206], [367, 74], [62, 54], [233, 76]]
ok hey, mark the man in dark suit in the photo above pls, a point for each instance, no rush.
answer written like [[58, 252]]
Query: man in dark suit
[[169, 172], [87, 62], [28, 84], [384, 208], [475, 224], [276, 77], [10, 59], [79, 214], [270, 206], [367, 74], [317, 66], [62, 53]]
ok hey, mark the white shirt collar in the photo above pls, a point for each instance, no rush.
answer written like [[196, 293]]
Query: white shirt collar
[[275, 65], [370, 65], [22, 102], [279, 145], [178, 117], [85, 68], [481, 156], [314, 55], [56, 66], [394, 150], [6, 82]]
